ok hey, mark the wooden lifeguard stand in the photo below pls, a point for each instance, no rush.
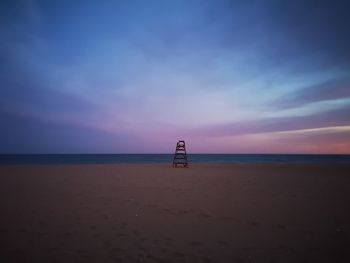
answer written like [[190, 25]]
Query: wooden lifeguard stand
[[180, 156]]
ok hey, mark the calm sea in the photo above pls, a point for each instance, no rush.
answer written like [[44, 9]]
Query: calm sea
[[6, 159]]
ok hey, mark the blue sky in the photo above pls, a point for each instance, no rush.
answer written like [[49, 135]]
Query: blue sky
[[136, 76]]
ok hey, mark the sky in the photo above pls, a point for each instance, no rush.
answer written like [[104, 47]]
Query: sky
[[264, 76]]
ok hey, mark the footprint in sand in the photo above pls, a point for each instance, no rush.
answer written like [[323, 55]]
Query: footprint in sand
[[163, 250], [51, 249], [18, 251], [307, 232], [107, 244], [195, 244], [224, 243], [40, 233], [30, 241], [249, 249], [136, 232], [282, 247], [178, 254], [253, 223], [229, 218], [207, 260], [168, 239], [203, 215], [4, 231], [280, 226], [119, 250], [97, 235], [140, 246], [118, 259], [161, 260], [42, 223]]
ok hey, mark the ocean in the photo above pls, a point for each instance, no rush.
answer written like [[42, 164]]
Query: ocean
[[15, 159]]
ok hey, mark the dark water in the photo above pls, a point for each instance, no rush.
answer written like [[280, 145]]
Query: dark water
[[167, 158]]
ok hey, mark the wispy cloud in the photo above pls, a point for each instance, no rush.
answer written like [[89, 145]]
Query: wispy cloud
[[333, 89], [339, 117], [324, 140], [27, 134]]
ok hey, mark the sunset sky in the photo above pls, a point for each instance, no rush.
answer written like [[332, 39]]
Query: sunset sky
[[263, 76]]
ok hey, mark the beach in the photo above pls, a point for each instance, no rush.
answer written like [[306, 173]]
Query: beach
[[156, 213]]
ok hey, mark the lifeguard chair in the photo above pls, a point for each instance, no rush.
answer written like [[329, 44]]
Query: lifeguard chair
[[180, 156]]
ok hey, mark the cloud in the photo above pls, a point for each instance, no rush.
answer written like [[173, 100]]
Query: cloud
[[30, 91], [31, 135], [315, 30], [29, 83], [331, 118], [333, 89]]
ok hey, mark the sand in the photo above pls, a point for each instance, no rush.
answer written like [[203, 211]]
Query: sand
[[155, 213]]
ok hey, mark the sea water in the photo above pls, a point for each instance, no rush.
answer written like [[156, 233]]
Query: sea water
[[6, 159]]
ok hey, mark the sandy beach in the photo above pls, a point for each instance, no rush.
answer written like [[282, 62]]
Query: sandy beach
[[155, 213]]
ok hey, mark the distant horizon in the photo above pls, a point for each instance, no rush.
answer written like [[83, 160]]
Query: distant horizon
[[190, 153]]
